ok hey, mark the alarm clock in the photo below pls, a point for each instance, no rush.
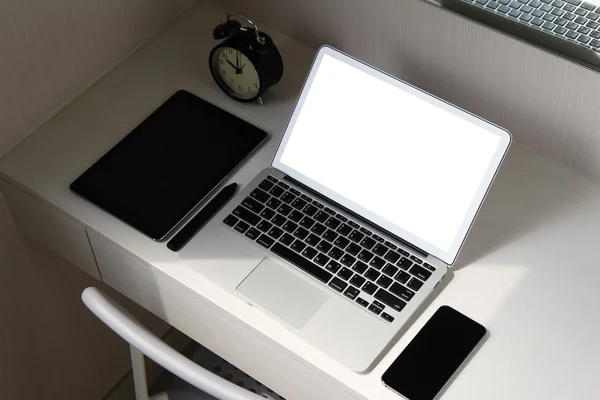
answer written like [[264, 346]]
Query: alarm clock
[[246, 63]]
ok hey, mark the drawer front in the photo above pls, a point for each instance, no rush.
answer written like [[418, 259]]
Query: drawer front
[[50, 229]]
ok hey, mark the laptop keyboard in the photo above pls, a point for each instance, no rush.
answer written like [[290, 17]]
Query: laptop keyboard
[[344, 255]]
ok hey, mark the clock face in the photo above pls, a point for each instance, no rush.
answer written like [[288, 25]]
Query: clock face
[[235, 73]]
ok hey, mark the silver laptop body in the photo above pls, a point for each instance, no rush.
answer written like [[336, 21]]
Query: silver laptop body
[[371, 194]]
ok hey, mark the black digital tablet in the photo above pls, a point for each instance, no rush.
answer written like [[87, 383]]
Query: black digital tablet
[[166, 166]]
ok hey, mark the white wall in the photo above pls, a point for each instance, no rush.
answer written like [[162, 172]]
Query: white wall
[[51, 347], [548, 103]]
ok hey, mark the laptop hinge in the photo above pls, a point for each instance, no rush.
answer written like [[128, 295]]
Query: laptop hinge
[[417, 250]]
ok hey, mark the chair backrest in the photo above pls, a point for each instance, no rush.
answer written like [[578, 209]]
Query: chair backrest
[[140, 338]]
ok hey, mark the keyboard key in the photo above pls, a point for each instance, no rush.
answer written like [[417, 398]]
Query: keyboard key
[[392, 256], [264, 226], [372, 274], [295, 216], [592, 24], [347, 260], [535, 3], [389, 299], [404, 253], [246, 215], [546, 8], [481, 2], [265, 241], [404, 263], [365, 255], [335, 253], [318, 229], [387, 317], [353, 249], [287, 239], [504, 2], [583, 39], [560, 21], [593, 16], [356, 236], [492, 5], [330, 235], [241, 227], [429, 267], [310, 210], [375, 309], [572, 25], [569, 8], [595, 43], [266, 185], [378, 238], [503, 9], [309, 253], [276, 191], [546, 1], [338, 284], [415, 284], [391, 245], [360, 267], [588, 6], [321, 259], [306, 198], [298, 203], [287, 197], [275, 232], [514, 13], [341, 242], [283, 185], [341, 217], [558, 12], [377, 262], [537, 21], [301, 262], [253, 233], [548, 26], [537, 13], [558, 4], [351, 293], [569, 16], [357, 280], [295, 191], [402, 292], [284, 209], [362, 302], [402, 277], [365, 231], [583, 29], [231, 220], [370, 288], [380, 249], [329, 211], [278, 220], [515, 4], [571, 34], [367, 243], [289, 226], [581, 12], [307, 222], [298, 246], [345, 273], [324, 246], [353, 224], [273, 203], [416, 259], [313, 239], [333, 266], [332, 223], [344, 229], [252, 205], [267, 213], [390, 270], [420, 272], [259, 195], [321, 216], [595, 34], [574, 2], [272, 179], [549, 17], [384, 281], [300, 233]]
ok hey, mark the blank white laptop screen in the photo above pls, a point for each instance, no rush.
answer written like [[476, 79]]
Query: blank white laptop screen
[[395, 155]]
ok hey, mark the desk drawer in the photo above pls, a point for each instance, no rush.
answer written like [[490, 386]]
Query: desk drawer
[[50, 229]]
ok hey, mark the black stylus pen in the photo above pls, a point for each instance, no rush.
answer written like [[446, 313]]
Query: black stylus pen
[[209, 210]]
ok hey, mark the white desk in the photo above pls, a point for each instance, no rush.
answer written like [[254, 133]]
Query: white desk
[[523, 273]]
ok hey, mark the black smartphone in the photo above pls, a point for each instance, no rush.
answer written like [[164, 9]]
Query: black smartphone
[[435, 354]]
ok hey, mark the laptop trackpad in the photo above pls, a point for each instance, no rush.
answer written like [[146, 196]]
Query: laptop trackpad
[[283, 293]]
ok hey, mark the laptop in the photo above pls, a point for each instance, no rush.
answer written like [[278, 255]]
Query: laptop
[[368, 201]]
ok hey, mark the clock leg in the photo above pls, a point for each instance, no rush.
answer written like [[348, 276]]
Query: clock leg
[[260, 101]]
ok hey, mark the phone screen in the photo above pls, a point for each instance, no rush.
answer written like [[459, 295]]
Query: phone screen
[[434, 355]]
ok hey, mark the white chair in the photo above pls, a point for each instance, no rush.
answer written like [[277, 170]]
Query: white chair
[[201, 384]]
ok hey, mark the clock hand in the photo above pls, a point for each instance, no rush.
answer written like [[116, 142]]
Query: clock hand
[[242, 67], [230, 63]]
